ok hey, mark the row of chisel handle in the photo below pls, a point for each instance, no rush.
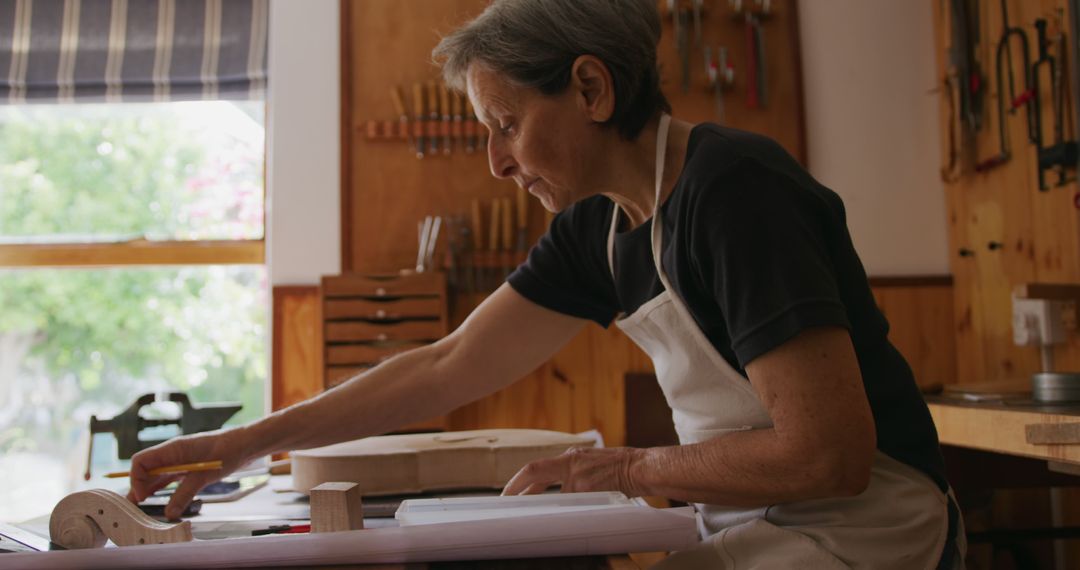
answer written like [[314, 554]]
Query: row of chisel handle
[[442, 122]]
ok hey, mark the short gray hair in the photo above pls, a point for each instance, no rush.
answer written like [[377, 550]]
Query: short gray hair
[[535, 43]]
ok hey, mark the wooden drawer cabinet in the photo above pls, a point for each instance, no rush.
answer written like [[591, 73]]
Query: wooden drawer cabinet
[[382, 309], [369, 318]]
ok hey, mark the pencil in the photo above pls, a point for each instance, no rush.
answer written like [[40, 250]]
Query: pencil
[[185, 468]]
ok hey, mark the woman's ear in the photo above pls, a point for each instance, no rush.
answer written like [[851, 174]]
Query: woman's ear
[[593, 88]]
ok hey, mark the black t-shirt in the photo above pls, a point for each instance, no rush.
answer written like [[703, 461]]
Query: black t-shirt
[[759, 251]]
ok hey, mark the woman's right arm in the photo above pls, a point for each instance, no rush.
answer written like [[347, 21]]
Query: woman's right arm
[[504, 339]]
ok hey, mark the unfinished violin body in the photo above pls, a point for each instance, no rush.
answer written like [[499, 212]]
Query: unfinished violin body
[[88, 519], [413, 463]]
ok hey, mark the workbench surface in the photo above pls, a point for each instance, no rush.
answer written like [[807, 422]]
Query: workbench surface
[[999, 427]]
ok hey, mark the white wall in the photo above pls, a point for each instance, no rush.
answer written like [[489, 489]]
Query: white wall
[[303, 233], [872, 127]]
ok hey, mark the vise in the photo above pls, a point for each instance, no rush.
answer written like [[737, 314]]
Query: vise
[[126, 425]]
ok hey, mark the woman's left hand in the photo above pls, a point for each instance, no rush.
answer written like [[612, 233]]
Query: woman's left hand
[[580, 469]]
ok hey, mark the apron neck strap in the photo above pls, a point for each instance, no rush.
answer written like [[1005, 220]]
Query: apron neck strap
[[661, 155]]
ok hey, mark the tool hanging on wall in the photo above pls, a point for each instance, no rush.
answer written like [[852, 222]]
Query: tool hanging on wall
[[403, 117], [477, 226], [721, 76], [1062, 154], [432, 130], [458, 102], [697, 6], [444, 126], [1074, 63], [965, 39], [1008, 99], [471, 127], [418, 112], [754, 38]]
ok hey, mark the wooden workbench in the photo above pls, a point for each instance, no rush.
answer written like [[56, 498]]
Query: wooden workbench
[[1001, 428]]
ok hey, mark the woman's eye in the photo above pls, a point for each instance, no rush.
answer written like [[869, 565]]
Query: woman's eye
[[506, 129]]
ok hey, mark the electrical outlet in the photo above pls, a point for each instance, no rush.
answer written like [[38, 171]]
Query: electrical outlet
[[1040, 322]]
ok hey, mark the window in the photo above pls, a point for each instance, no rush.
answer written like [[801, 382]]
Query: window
[[131, 261]]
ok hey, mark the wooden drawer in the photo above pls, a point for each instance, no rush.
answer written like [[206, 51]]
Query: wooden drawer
[[356, 285], [346, 354], [337, 374], [365, 331], [390, 310]]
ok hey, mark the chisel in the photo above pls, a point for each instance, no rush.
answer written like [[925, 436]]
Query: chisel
[[418, 112], [458, 100], [433, 118], [477, 245], [522, 242], [507, 255], [444, 127], [403, 117], [471, 127]]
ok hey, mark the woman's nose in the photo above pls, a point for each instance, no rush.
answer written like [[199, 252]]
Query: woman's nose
[[502, 162]]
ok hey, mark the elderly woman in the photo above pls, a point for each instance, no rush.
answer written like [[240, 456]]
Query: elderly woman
[[804, 440]]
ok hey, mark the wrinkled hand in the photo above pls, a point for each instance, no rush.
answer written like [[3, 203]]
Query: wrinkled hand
[[580, 469], [224, 445]]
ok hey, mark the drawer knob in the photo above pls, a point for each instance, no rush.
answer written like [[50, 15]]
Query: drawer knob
[[382, 336], [380, 292], [380, 314]]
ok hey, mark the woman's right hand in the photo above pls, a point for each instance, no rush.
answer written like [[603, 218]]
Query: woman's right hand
[[228, 446]]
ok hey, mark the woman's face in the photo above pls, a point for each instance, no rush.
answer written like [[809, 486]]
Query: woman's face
[[543, 143]]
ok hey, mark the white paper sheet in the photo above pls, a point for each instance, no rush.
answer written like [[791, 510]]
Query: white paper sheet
[[605, 531]]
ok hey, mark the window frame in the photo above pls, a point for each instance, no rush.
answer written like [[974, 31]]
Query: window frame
[[134, 253]]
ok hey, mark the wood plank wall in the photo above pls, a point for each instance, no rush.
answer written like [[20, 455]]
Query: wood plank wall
[[1004, 231], [1008, 231], [388, 43]]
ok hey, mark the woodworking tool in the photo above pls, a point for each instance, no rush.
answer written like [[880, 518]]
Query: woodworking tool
[[1062, 153], [477, 245], [418, 112], [444, 127], [471, 127], [965, 28], [424, 229], [521, 244], [491, 269], [1008, 99], [433, 240], [433, 118], [403, 117], [1074, 61], [126, 425], [458, 102], [696, 6]]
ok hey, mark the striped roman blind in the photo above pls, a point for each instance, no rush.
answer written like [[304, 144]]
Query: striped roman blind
[[132, 50]]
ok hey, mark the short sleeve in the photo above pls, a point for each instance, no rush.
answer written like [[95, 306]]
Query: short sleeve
[[566, 271], [766, 258]]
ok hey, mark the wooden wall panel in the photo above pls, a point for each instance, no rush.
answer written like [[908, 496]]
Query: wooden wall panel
[[1037, 231], [582, 387], [920, 314], [296, 357], [388, 43]]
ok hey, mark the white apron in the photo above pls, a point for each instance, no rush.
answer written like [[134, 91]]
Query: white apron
[[900, 521]]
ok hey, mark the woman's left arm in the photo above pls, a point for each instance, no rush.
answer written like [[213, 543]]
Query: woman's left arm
[[822, 442]]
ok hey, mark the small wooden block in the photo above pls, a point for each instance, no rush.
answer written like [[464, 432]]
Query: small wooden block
[[336, 507], [1062, 467], [1052, 434]]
